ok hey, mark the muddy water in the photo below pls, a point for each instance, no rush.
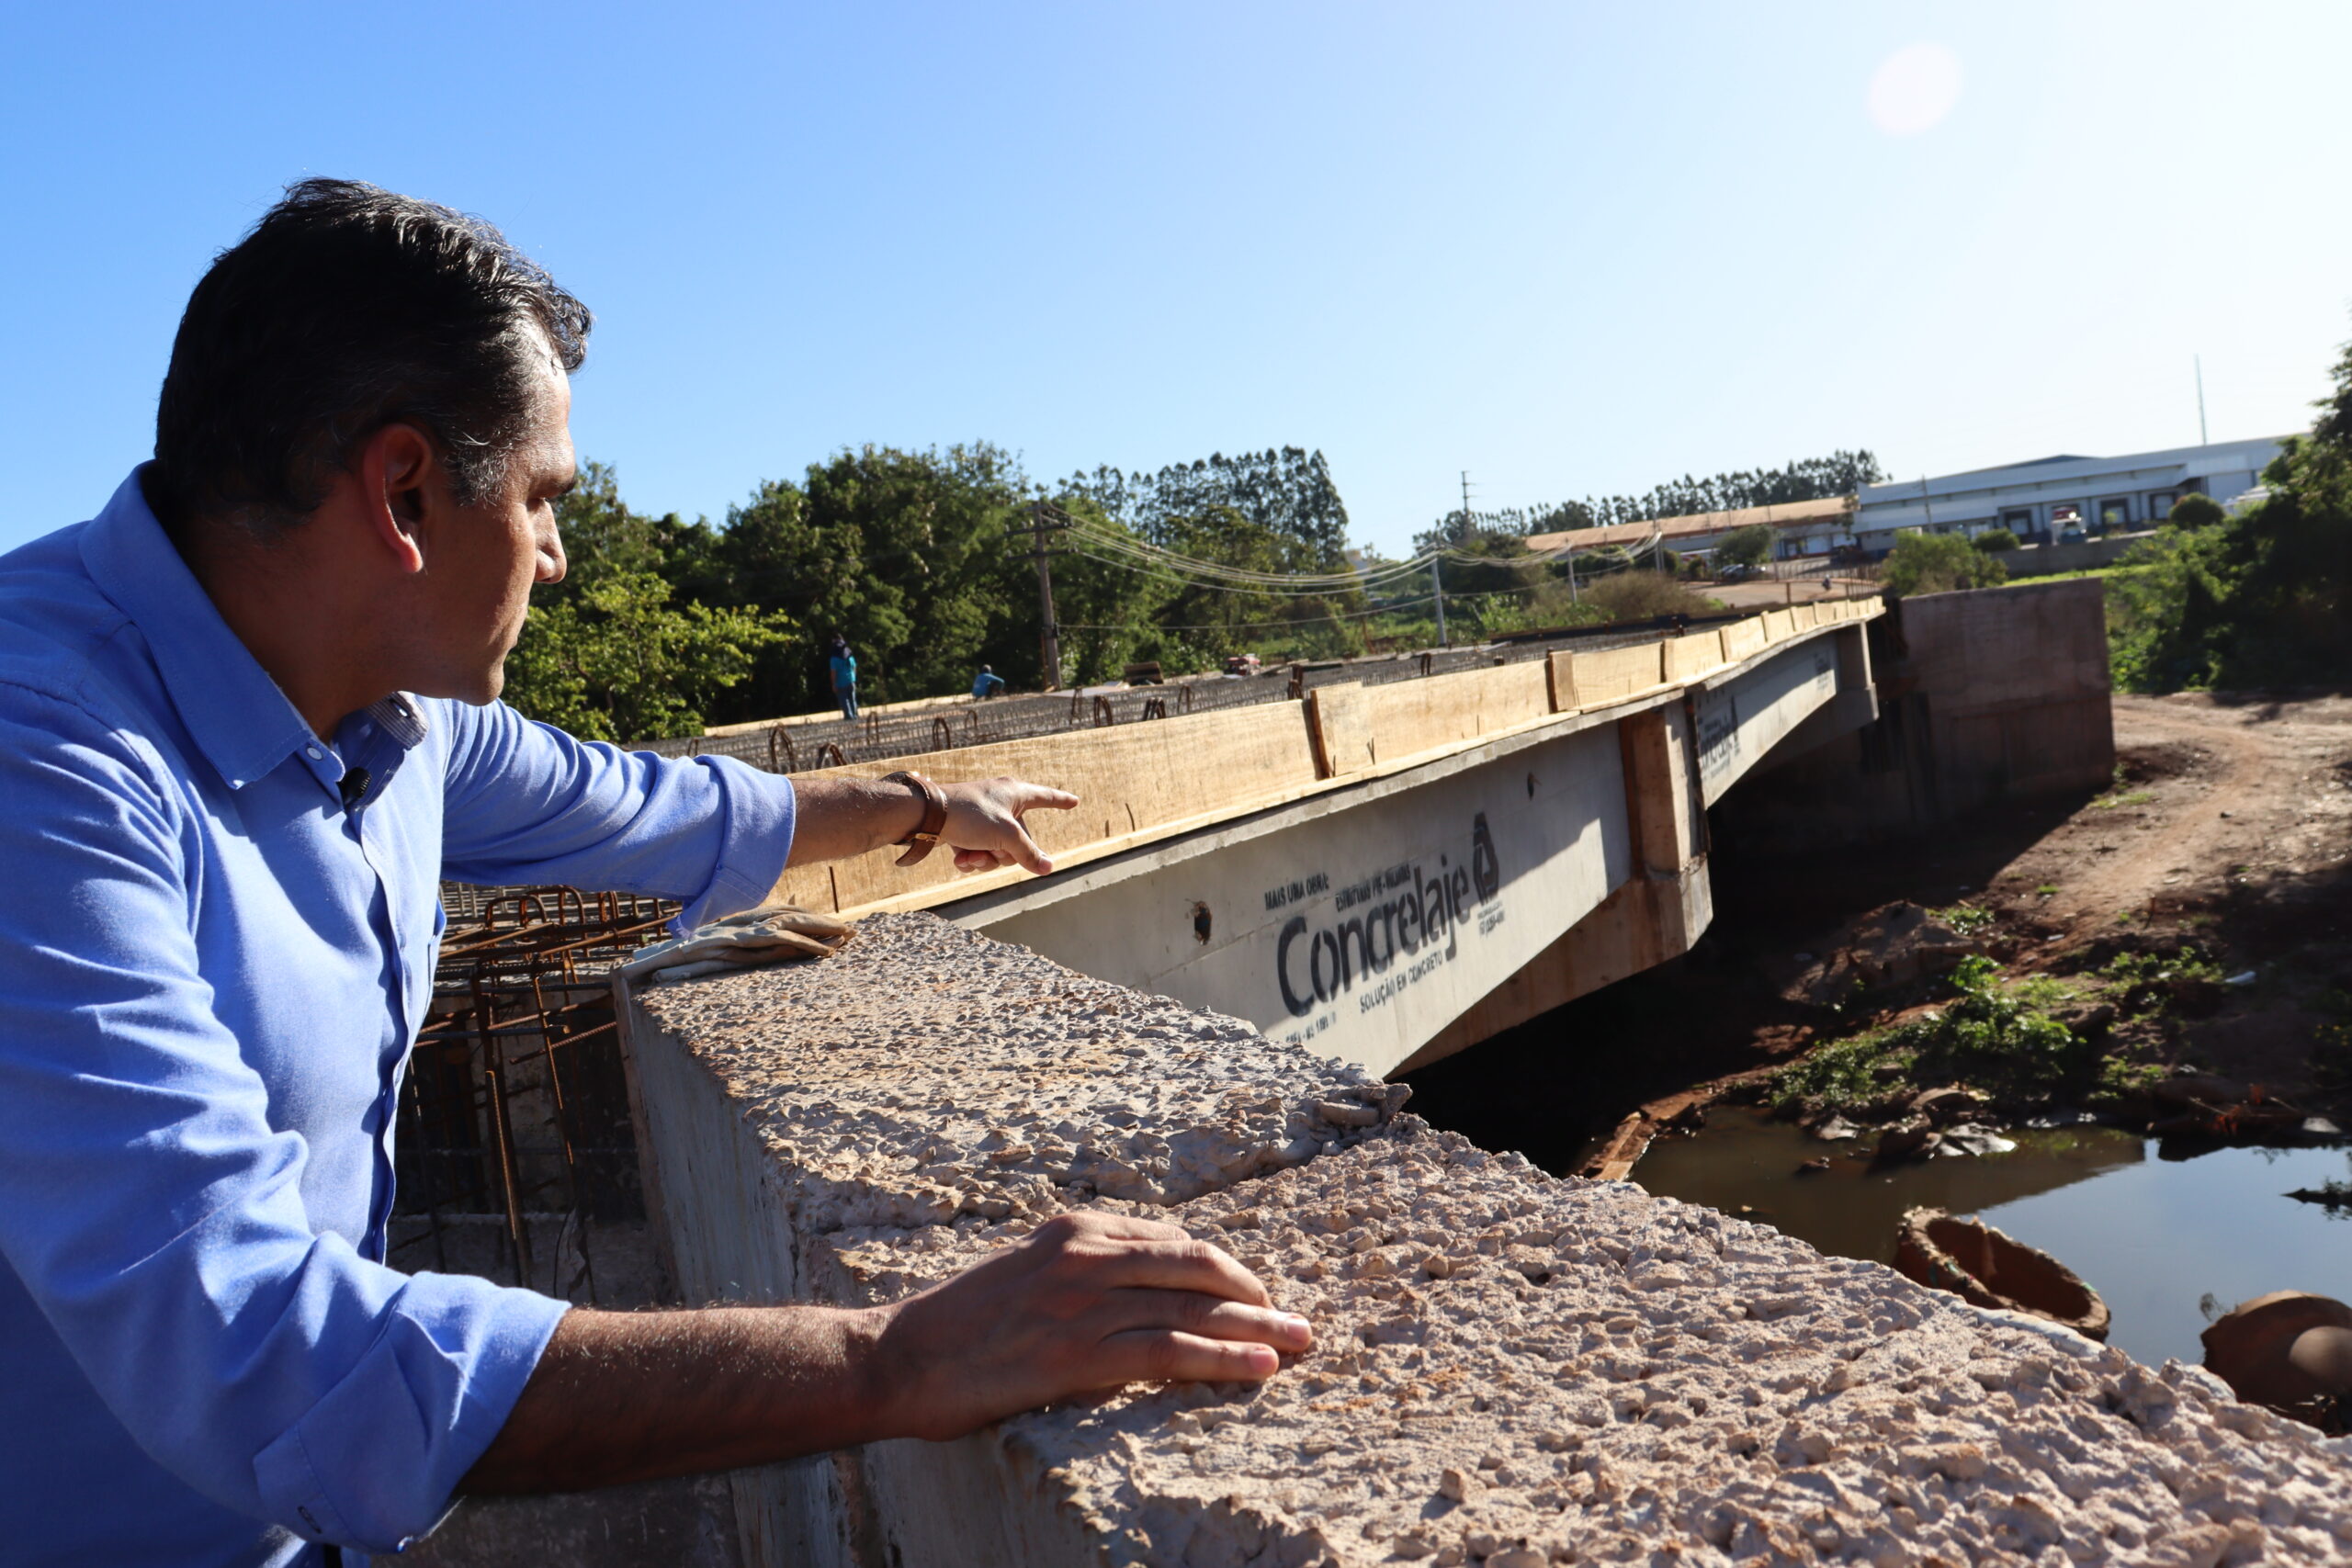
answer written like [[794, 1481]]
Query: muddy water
[[2158, 1237]]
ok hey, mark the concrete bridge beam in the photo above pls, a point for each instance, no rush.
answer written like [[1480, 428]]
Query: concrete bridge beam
[[1410, 908]]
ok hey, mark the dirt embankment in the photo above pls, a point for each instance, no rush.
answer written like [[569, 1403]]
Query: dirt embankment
[[2229, 831], [2224, 843]]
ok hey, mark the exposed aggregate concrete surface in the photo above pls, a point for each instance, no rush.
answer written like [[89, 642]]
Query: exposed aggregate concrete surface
[[1515, 1369], [1511, 1369], [925, 1072]]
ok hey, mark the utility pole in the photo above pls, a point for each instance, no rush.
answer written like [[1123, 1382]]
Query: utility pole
[[1437, 579], [1050, 631], [2202, 439]]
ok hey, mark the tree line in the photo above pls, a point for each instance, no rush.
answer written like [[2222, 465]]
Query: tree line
[[2259, 598], [1806, 479], [921, 560]]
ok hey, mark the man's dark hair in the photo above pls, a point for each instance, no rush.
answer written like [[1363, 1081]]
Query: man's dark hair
[[346, 310]]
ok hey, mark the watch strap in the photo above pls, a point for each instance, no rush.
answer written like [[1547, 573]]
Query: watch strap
[[925, 838]]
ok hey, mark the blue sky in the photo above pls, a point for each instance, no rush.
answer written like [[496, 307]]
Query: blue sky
[[1571, 248]]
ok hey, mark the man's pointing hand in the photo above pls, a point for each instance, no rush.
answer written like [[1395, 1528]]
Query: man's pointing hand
[[984, 825]]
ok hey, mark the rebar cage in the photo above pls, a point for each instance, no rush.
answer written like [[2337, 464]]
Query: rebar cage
[[513, 1150]]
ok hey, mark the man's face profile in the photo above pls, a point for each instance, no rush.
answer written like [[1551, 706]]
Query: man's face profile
[[472, 592]]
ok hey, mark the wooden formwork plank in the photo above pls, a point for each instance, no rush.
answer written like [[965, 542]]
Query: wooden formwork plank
[[1409, 718], [1743, 640], [1693, 655], [1338, 720], [1585, 679], [810, 887], [1129, 778], [1138, 782]]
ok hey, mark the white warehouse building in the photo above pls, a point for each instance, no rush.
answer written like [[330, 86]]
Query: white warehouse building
[[2040, 501]]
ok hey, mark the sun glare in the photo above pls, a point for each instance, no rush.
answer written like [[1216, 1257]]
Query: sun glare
[[1914, 89]]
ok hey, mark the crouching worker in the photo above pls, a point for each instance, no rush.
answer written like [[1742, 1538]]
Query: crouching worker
[[248, 720]]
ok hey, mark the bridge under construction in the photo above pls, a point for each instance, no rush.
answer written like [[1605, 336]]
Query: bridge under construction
[[1388, 868]]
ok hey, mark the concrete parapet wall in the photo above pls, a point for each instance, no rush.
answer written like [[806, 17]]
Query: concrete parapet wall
[[1511, 1369]]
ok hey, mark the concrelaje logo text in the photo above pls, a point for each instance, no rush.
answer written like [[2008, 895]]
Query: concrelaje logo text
[[1423, 917]]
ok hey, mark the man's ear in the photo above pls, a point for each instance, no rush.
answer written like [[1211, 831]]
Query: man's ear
[[398, 470]]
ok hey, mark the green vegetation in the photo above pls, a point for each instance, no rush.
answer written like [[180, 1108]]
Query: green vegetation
[[1992, 539], [2044, 991], [1644, 595], [2260, 599], [922, 561], [2126, 798], [2142, 983], [2073, 576], [1842, 1075], [615, 661], [1966, 919], [1938, 563], [2120, 1077], [2332, 1043], [2197, 510], [1750, 546], [1808, 478], [1992, 1038], [1999, 1040]]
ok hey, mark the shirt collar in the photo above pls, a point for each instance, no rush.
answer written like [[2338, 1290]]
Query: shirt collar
[[400, 717], [233, 711]]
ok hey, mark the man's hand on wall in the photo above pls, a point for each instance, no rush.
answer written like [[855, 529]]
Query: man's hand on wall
[[984, 825], [1088, 1301]]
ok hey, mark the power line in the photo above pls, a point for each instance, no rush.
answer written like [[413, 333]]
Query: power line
[[1143, 550], [1263, 590], [1390, 608]]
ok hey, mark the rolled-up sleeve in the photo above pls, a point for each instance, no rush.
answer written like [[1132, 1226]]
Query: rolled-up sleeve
[[154, 1214], [528, 803]]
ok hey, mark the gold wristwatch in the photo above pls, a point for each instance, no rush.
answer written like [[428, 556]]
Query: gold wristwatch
[[925, 838]]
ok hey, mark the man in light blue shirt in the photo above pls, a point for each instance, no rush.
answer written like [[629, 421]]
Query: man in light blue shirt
[[248, 720], [987, 683]]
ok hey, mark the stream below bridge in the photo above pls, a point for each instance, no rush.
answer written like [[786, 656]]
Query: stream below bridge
[[2168, 1234]]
